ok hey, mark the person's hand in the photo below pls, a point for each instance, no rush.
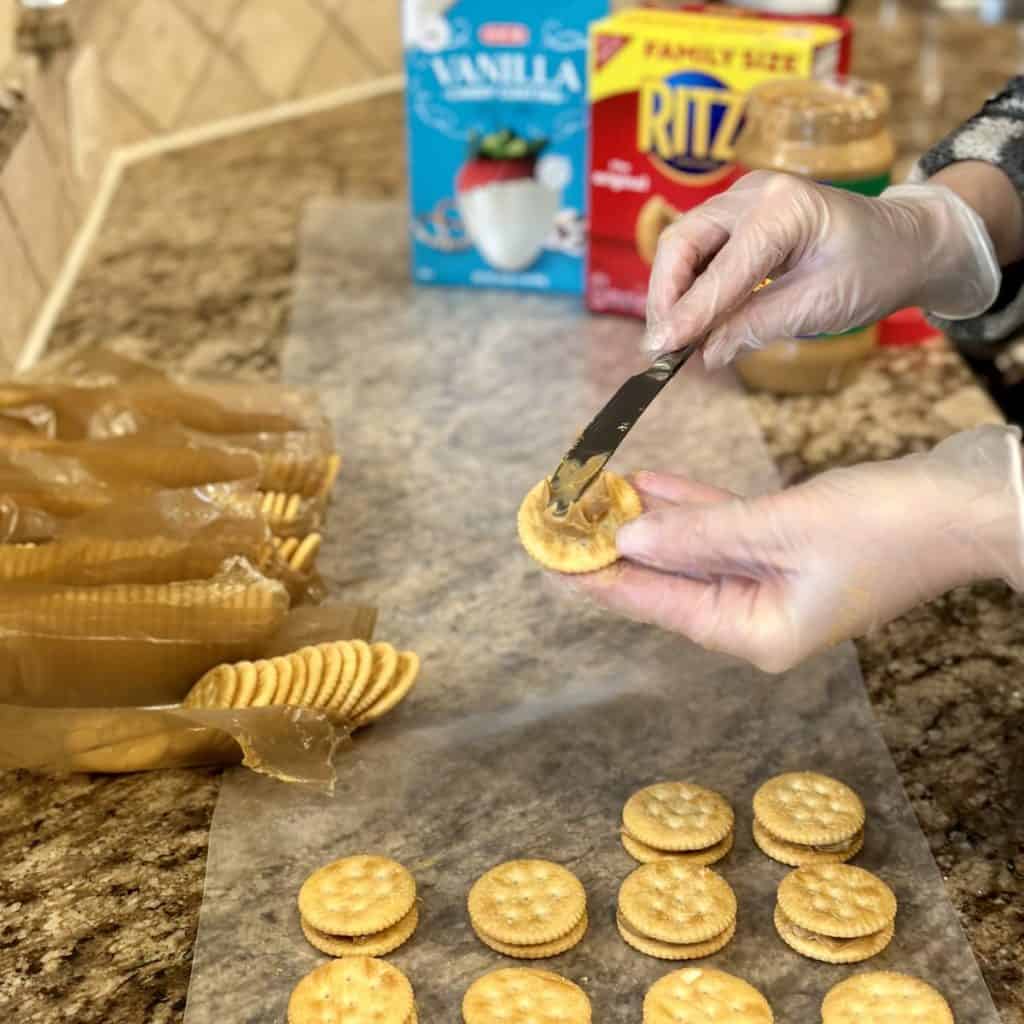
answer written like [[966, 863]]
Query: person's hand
[[838, 261], [775, 579]]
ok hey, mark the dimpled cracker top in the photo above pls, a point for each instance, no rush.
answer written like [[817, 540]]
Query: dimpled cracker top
[[678, 816], [881, 997], [814, 810], [522, 995], [837, 900], [675, 902], [698, 995], [583, 540], [527, 902], [357, 990], [358, 895]]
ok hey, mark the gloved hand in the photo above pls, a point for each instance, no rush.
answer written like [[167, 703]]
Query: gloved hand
[[778, 578], [838, 261]]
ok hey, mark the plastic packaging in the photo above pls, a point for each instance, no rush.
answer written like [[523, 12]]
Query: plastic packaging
[[63, 480], [294, 745], [155, 537], [93, 394], [538, 719], [137, 551], [133, 643]]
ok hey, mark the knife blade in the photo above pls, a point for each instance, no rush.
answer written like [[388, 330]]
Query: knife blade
[[591, 451]]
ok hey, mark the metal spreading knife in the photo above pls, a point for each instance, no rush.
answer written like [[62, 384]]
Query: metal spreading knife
[[597, 444]]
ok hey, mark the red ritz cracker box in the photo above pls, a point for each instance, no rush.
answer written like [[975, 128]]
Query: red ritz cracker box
[[667, 90]]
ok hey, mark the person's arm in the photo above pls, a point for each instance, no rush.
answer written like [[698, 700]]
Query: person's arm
[[990, 192], [983, 161]]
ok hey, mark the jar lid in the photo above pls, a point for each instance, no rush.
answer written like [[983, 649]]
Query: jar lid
[[829, 110]]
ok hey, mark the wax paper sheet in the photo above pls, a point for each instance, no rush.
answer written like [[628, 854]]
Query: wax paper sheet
[[535, 719]]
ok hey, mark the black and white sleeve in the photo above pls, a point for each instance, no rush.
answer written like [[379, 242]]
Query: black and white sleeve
[[995, 135]]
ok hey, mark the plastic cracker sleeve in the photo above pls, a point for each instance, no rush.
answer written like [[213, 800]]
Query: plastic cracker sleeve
[[154, 537], [291, 744], [97, 395], [131, 643]]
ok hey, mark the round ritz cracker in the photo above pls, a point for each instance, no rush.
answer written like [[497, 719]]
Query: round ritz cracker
[[527, 903], [677, 818], [216, 689], [382, 673], [404, 680], [796, 856], [284, 672], [264, 692], [246, 679], [357, 990], [525, 995], [357, 896], [584, 539], [676, 909], [884, 997], [297, 687], [349, 671], [835, 913], [304, 554], [804, 817], [831, 950], [701, 995], [313, 659], [540, 950], [379, 944], [364, 666], [673, 950], [696, 858], [331, 672]]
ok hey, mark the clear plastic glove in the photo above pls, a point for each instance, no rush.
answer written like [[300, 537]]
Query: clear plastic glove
[[838, 261], [778, 578]]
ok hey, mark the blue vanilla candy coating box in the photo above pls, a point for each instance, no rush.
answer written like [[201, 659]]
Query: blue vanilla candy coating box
[[497, 122]]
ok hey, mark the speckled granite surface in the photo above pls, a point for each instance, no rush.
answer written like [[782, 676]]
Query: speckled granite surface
[[100, 879]]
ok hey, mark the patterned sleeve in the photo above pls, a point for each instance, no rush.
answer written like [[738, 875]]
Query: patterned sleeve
[[996, 136]]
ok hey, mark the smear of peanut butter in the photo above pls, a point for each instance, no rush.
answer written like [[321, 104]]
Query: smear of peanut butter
[[583, 515]]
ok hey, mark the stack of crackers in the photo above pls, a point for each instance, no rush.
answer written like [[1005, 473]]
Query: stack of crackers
[[678, 820], [529, 909], [354, 683], [805, 818], [676, 911], [836, 913], [359, 906]]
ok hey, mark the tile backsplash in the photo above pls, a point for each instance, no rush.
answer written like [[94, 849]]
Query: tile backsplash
[[140, 69], [8, 23]]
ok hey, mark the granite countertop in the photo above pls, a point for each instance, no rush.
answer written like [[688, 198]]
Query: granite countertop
[[101, 878]]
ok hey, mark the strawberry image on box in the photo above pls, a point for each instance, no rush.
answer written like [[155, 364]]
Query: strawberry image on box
[[496, 103], [506, 211]]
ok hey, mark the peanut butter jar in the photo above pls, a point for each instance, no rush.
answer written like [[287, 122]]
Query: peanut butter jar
[[835, 131]]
